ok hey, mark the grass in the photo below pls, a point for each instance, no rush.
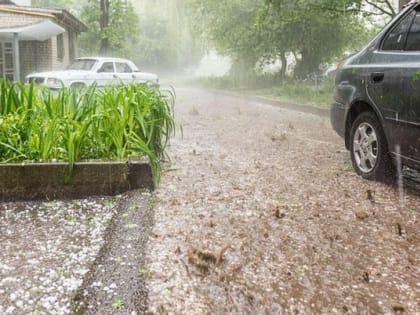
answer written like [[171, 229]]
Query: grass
[[317, 94], [305, 93], [113, 123]]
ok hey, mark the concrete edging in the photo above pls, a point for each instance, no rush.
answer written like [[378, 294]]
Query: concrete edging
[[31, 181]]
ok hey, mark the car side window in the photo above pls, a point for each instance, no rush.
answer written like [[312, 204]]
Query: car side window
[[413, 37], [396, 38], [107, 67], [123, 67]]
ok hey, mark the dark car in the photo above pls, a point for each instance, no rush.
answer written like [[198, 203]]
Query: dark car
[[376, 106]]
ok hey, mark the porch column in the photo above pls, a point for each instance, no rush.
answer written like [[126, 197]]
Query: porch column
[[16, 58]]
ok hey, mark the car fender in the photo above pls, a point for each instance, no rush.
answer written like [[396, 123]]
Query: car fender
[[359, 105]]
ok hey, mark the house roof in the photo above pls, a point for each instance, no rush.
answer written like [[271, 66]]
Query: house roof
[[60, 15], [41, 30]]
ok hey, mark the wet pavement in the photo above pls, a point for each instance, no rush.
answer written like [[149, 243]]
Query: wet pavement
[[267, 190], [305, 234], [115, 283], [47, 249]]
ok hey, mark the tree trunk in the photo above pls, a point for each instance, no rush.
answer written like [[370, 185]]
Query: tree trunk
[[308, 64], [103, 23], [283, 65]]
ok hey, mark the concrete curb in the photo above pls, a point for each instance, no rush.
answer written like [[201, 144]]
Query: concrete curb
[[50, 180]]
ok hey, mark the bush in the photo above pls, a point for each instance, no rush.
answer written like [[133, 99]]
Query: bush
[[116, 122]]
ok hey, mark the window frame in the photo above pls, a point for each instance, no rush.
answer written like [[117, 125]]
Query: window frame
[[126, 66], [397, 24], [106, 63], [417, 15]]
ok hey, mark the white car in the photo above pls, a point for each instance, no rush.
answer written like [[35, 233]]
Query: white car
[[88, 70]]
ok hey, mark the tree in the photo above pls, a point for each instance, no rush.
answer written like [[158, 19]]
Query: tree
[[315, 31], [230, 27], [52, 3], [103, 26], [349, 7], [249, 31], [165, 38], [113, 27]]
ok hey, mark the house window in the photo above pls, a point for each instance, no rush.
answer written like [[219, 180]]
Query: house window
[[7, 65], [60, 47]]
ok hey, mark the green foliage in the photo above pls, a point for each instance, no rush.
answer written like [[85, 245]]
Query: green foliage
[[155, 45], [416, 76], [317, 93], [53, 3], [313, 31], [118, 304], [230, 27], [121, 33], [347, 7], [165, 39], [116, 122]]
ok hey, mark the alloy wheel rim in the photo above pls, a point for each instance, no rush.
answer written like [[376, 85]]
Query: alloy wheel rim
[[365, 147]]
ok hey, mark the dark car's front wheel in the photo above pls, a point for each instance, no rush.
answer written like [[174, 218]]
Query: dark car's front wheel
[[369, 149]]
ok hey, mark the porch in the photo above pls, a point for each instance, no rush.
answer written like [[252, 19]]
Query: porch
[[21, 43]]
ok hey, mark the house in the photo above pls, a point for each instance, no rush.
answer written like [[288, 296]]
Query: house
[[36, 39]]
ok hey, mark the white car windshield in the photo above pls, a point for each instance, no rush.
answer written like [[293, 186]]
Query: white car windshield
[[82, 64]]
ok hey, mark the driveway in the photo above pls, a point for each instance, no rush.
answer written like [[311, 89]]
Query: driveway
[[261, 213]]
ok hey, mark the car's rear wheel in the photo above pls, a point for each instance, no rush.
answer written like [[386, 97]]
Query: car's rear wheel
[[369, 150]]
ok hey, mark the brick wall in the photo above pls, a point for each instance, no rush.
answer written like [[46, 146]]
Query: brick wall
[[34, 55], [13, 19], [56, 63]]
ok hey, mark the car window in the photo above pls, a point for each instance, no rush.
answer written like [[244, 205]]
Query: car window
[[82, 64], [122, 67], [413, 37], [107, 67], [396, 38]]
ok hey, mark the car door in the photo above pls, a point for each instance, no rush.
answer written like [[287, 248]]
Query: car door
[[106, 74], [124, 72], [393, 85], [409, 116]]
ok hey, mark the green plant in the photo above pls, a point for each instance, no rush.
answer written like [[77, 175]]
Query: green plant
[[115, 122], [118, 304], [318, 94]]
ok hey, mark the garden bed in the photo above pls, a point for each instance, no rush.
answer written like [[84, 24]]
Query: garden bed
[[116, 123], [50, 180]]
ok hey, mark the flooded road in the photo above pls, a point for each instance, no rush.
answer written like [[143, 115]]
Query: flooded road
[[261, 213]]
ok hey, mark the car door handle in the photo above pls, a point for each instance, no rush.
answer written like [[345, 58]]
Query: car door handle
[[377, 76]]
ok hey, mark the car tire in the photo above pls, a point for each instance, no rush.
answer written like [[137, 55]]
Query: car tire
[[369, 149]]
